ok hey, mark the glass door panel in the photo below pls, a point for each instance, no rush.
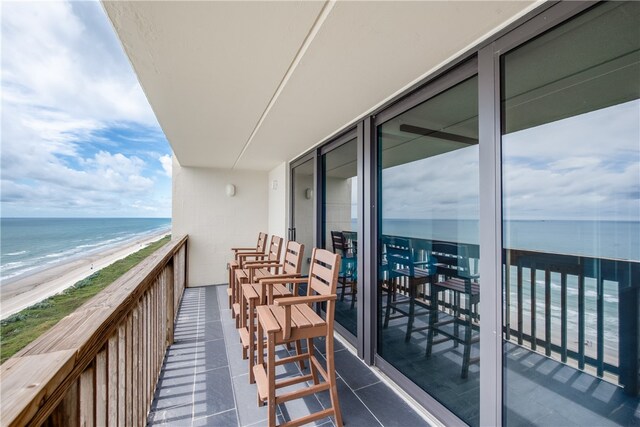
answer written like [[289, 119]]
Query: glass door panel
[[302, 182], [428, 284], [340, 221], [571, 221]]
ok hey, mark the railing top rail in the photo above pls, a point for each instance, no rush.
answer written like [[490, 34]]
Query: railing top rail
[[52, 362]]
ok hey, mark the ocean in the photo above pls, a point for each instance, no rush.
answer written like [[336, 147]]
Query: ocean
[[30, 244]]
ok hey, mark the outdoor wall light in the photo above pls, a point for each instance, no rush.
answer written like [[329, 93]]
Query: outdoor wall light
[[308, 193], [230, 190]]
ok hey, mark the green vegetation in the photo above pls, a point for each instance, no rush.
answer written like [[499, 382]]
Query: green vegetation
[[20, 329]]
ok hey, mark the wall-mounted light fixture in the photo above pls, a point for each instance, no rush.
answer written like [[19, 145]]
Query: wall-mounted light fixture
[[230, 189], [308, 193]]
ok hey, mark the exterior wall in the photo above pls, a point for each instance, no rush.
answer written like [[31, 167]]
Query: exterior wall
[[278, 200], [214, 221]]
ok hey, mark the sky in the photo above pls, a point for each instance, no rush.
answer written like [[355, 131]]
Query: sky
[[78, 136], [585, 167]]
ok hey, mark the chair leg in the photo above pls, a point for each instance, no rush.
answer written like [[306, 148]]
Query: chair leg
[[333, 387], [433, 310], [243, 321], [466, 357], [299, 351], [260, 353], [387, 312], [252, 339], [456, 316], [343, 282], [412, 310], [354, 291], [312, 367], [271, 375]]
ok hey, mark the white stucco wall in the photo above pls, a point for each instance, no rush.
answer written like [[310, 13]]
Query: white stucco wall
[[278, 200], [338, 207], [214, 221]]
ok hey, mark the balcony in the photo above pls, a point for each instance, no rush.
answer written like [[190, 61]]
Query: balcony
[[122, 359]]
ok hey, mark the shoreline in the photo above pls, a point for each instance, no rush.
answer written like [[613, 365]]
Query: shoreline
[[33, 288]]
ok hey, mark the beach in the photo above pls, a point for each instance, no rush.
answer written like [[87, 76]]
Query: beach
[[18, 294]]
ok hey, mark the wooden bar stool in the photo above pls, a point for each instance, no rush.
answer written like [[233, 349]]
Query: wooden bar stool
[[293, 318], [270, 286], [235, 263], [243, 274]]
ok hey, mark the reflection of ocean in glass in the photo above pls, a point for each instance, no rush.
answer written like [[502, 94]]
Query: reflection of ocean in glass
[[597, 239]]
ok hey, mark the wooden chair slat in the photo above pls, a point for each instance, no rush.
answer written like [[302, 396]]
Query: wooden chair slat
[[311, 315]]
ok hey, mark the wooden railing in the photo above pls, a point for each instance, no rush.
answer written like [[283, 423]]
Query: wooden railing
[[575, 284], [543, 292], [100, 364]]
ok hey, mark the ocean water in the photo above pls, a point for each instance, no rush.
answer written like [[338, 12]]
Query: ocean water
[[30, 244]]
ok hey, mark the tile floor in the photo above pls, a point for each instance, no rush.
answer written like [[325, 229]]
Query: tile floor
[[204, 380]]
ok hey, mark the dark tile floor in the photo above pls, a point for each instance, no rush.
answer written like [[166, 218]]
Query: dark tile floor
[[204, 380]]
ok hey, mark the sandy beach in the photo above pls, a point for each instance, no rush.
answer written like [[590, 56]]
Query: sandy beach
[[16, 295]]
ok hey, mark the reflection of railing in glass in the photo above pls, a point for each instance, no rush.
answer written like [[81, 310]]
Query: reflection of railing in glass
[[589, 308]]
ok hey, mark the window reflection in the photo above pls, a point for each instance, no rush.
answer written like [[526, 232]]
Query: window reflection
[[428, 283], [340, 218], [571, 219]]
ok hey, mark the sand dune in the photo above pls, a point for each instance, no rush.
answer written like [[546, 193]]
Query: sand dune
[[24, 292]]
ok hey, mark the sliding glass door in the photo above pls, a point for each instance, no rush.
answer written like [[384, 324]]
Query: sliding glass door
[[340, 224], [302, 207], [571, 221], [428, 247]]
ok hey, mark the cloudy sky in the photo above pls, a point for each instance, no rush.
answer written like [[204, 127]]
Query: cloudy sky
[[78, 136], [585, 167]]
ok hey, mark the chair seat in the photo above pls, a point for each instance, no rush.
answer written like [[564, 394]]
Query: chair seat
[[272, 318], [254, 290]]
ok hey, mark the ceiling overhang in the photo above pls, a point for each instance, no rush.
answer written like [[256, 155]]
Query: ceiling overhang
[[248, 85]]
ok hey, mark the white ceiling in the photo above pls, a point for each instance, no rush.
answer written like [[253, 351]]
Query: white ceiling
[[248, 85]]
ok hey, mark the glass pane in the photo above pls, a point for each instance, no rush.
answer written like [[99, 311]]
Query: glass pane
[[302, 224], [340, 220], [571, 219], [428, 284]]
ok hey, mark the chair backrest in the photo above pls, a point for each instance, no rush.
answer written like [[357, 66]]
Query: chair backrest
[[323, 273], [293, 256], [453, 259], [262, 242], [338, 242], [275, 249], [399, 255]]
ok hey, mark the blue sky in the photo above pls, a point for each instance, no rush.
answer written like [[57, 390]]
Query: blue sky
[[78, 137]]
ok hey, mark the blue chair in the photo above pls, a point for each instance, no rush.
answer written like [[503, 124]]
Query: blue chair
[[406, 275], [348, 276]]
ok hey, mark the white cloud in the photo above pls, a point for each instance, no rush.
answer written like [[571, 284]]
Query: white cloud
[[582, 167], [166, 164], [66, 81]]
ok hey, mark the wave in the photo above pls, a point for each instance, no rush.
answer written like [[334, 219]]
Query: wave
[[16, 253]]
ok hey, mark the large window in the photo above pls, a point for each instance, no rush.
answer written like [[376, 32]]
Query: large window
[[428, 283], [340, 220], [571, 221]]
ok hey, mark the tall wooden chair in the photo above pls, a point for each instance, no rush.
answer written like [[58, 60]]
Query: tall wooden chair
[[235, 263], [265, 286], [456, 278], [293, 318], [272, 256]]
